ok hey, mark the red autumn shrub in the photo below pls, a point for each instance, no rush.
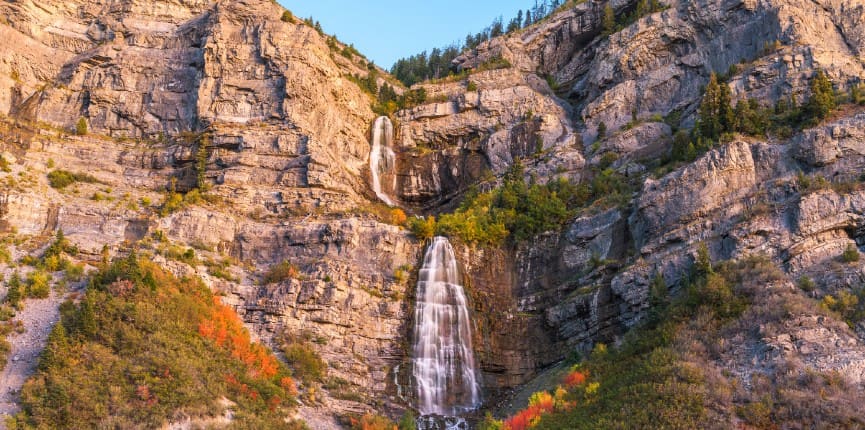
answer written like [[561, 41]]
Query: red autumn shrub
[[574, 379], [225, 328]]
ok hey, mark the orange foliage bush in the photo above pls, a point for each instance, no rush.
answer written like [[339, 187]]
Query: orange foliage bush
[[543, 402], [226, 329], [288, 385], [372, 422], [574, 379], [398, 216], [525, 419]]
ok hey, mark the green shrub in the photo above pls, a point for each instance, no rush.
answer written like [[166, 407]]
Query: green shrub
[[608, 159], [494, 63], [5, 349], [758, 414], [74, 272], [471, 86], [281, 272], [552, 83], [490, 423], [81, 127], [407, 421], [822, 101], [181, 254], [60, 246], [15, 292], [519, 210], [60, 179], [370, 421], [851, 254], [806, 284], [219, 269], [683, 148], [4, 165], [304, 361], [38, 284], [423, 228], [171, 203], [400, 275], [857, 94], [5, 255], [608, 21], [201, 157], [602, 130], [287, 17], [845, 304]]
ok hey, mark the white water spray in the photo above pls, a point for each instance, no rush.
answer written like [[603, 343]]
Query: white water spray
[[444, 367], [382, 159]]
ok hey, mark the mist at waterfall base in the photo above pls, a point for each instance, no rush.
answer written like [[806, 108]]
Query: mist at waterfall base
[[382, 159], [443, 364]]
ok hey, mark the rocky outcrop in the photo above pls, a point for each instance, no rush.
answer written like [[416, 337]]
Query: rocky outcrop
[[231, 68], [450, 145]]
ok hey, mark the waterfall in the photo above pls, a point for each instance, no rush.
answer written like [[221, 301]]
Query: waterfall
[[444, 368], [382, 160]]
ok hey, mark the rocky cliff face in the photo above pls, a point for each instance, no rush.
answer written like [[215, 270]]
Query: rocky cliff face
[[266, 107]]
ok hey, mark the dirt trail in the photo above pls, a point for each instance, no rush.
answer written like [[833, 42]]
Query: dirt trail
[[38, 316]]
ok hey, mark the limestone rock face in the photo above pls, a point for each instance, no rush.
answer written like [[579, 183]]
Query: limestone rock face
[[234, 68], [450, 145], [261, 116], [657, 65], [722, 177]]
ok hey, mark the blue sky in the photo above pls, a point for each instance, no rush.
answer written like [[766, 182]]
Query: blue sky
[[386, 30]]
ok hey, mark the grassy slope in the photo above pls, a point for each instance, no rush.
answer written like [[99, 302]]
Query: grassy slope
[[142, 348], [669, 373]]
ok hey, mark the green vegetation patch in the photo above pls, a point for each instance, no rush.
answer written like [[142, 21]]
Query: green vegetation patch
[[719, 119], [519, 210], [667, 373], [61, 179], [142, 347]]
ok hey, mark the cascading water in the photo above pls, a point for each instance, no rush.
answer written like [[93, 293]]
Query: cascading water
[[382, 159], [444, 368]]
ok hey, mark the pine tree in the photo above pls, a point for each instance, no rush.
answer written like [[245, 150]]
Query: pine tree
[[822, 100], [856, 94], [602, 130], [87, 319], [201, 164], [58, 341], [703, 263], [658, 291], [725, 110], [743, 117], [716, 113], [609, 20], [642, 7], [14, 294], [710, 124], [681, 146], [81, 127]]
